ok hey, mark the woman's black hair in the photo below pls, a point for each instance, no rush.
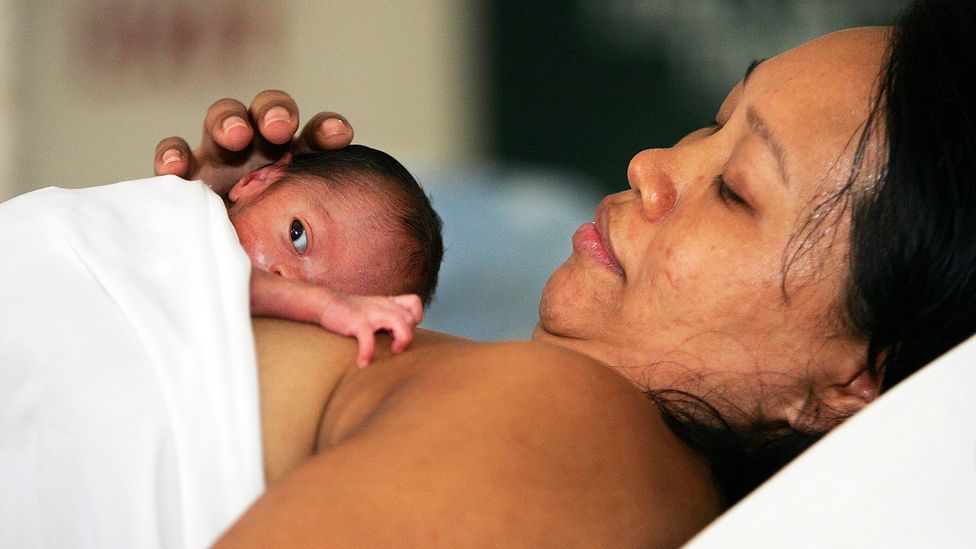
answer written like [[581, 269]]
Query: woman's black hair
[[911, 292], [410, 207], [912, 288]]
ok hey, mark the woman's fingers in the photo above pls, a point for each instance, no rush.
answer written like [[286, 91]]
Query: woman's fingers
[[230, 148], [173, 157], [238, 139], [226, 126], [276, 116], [325, 131]]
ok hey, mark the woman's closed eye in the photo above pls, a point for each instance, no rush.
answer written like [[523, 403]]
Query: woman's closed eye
[[700, 133], [299, 238], [727, 194]]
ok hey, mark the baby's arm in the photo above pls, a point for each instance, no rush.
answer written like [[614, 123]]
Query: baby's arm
[[344, 314]]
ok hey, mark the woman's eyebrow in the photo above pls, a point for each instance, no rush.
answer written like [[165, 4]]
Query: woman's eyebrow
[[759, 127], [752, 66]]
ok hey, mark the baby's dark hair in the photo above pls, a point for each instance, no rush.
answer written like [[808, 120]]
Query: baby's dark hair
[[410, 210]]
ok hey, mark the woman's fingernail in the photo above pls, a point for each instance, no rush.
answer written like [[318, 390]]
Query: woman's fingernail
[[333, 126], [171, 156], [232, 122], [276, 114]]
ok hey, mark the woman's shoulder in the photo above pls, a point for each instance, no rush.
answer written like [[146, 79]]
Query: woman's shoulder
[[457, 442], [536, 428], [513, 374]]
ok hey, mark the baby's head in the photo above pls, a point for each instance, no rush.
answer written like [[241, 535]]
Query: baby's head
[[353, 220]]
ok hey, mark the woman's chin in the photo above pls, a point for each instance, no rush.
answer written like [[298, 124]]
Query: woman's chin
[[579, 291], [571, 318]]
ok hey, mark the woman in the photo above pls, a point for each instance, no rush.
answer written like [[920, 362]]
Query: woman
[[763, 279]]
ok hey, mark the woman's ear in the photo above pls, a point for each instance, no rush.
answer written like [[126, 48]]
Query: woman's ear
[[833, 403], [257, 181], [855, 394]]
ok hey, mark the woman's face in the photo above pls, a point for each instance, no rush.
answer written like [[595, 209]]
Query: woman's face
[[679, 282]]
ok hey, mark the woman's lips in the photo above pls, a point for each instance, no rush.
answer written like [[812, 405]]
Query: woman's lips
[[588, 241]]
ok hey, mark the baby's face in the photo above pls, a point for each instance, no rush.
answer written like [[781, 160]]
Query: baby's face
[[332, 242]]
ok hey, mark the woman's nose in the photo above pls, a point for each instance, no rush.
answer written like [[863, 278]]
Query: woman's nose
[[651, 175]]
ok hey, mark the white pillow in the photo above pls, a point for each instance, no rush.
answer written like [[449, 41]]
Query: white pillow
[[901, 473]]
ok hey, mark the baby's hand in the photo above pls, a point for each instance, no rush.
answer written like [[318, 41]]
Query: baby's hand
[[362, 316], [349, 315]]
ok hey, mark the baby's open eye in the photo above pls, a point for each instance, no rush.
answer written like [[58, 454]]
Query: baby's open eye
[[298, 237]]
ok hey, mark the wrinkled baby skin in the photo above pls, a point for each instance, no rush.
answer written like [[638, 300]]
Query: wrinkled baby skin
[[331, 261]]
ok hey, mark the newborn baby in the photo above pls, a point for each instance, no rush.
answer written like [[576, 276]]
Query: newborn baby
[[326, 229]]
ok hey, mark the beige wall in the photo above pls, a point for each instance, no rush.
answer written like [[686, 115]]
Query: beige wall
[[88, 111], [6, 99]]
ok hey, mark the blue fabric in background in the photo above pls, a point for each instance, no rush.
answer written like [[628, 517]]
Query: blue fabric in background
[[505, 230]]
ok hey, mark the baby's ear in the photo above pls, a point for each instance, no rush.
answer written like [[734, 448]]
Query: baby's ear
[[253, 183]]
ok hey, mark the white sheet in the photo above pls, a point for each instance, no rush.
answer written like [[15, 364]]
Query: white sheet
[[128, 391], [901, 473]]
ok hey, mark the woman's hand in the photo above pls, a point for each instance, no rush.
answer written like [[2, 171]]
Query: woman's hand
[[229, 148]]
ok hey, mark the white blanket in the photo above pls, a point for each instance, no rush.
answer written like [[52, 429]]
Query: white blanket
[[128, 390]]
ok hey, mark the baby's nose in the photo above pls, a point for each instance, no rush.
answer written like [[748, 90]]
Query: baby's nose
[[282, 270]]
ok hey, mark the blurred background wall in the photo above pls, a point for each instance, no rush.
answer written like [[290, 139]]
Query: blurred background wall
[[589, 83], [515, 114], [6, 98], [89, 86], [97, 83]]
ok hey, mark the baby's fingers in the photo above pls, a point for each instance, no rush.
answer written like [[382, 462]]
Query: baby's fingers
[[366, 338], [413, 305], [400, 329]]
